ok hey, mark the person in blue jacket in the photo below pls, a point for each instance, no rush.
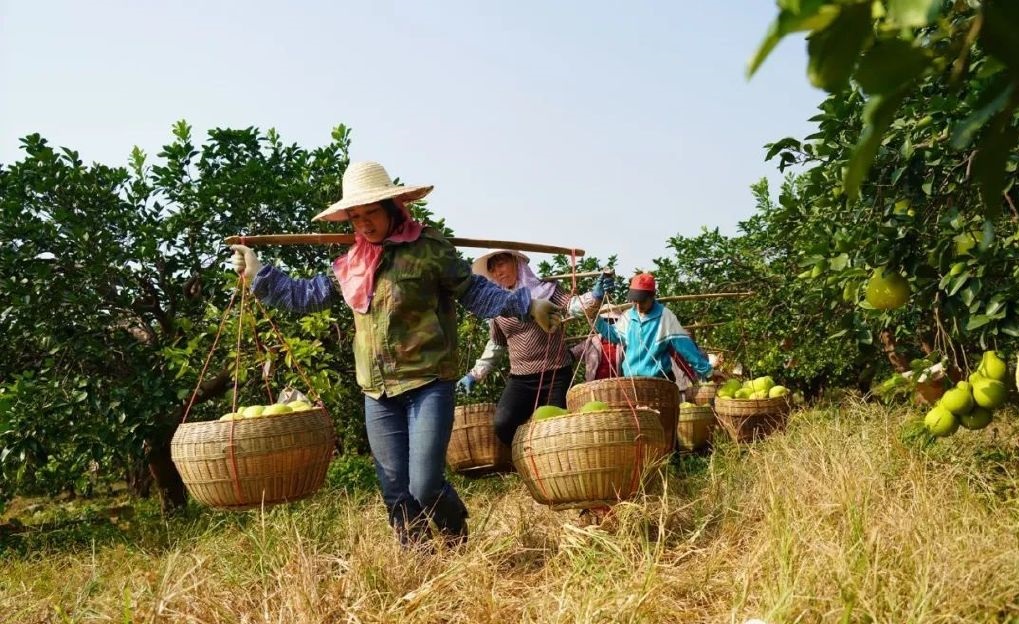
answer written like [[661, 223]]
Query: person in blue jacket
[[650, 334]]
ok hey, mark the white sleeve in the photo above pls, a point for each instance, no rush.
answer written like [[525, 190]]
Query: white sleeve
[[490, 359]]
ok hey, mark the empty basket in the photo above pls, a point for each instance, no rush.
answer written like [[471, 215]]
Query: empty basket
[[473, 445]]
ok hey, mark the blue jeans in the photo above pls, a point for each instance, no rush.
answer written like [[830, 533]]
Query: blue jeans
[[408, 435]]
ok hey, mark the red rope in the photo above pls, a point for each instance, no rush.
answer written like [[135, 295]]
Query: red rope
[[235, 472], [208, 358]]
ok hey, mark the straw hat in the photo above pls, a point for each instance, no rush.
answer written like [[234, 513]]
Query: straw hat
[[480, 266], [366, 183]]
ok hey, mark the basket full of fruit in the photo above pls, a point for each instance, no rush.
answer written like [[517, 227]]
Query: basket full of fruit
[[474, 449], [592, 456], [752, 409], [258, 455], [656, 393]]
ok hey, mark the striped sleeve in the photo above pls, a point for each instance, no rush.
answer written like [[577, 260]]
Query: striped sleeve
[[277, 289]]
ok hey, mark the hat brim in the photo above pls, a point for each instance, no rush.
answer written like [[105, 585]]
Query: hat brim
[[338, 211], [639, 295], [480, 265]]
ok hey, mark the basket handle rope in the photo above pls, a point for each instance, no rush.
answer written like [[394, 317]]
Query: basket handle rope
[[632, 404], [547, 361]]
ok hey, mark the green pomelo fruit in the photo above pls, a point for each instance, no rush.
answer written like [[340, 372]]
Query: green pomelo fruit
[[277, 408], [777, 391], [887, 290], [253, 411], [993, 367], [989, 393], [978, 418], [595, 406], [548, 411], [941, 422], [743, 393], [759, 395], [957, 401], [762, 384], [300, 406], [232, 416], [965, 385]]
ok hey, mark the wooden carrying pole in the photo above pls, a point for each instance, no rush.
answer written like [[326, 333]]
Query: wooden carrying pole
[[703, 296], [348, 239], [571, 275]]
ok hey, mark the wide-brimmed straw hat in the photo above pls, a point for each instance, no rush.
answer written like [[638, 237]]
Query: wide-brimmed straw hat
[[480, 266], [366, 183]]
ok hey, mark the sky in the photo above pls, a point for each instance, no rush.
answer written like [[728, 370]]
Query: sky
[[583, 124]]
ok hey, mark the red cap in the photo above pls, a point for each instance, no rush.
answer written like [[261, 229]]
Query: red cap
[[642, 287], [643, 281]]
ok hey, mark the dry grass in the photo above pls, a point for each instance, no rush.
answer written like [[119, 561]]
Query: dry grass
[[836, 521]]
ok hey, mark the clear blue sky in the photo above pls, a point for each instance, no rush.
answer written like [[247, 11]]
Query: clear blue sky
[[574, 123]]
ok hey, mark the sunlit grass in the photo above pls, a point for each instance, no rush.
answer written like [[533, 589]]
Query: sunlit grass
[[834, 521]]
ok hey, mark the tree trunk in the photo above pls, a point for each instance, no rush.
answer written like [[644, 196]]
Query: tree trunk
[[169, 485], [899, 362]]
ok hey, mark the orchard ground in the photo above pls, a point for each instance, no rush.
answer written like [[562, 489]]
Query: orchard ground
[[844, 518]]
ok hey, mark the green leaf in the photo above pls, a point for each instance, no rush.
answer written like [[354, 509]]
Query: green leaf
[[833, 51], [990, 160], [806, 15], [877, 115], [888, 64], [977, 321], [913, 13], [999, 33], [992, 101]]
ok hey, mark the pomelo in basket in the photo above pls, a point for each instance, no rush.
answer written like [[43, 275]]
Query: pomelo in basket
[[762, 384], [232, 416], [300, 406], [252, 411], [277, 408], [594, 406], [777, 391], [546, 412]]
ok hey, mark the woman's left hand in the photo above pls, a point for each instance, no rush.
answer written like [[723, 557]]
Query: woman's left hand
[[606, 283]]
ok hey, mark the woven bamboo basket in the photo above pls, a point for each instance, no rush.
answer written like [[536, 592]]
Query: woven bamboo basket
[[702, 394], [588, 459], [628, 392], [747, 420], [249, 463], [695, 428], [473, 447]]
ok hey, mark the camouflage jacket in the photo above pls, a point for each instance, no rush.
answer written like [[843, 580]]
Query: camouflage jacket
[[408, 336]]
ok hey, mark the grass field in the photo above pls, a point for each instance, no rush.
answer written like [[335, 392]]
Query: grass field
[[838, 520]]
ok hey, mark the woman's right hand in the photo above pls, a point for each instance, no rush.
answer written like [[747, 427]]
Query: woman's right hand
[[245, 262]]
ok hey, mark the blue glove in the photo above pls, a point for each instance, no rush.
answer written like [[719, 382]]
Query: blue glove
[[606, 283], [466, 384]]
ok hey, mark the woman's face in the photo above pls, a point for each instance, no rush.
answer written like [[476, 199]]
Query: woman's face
[[371, 221], [504, 270]]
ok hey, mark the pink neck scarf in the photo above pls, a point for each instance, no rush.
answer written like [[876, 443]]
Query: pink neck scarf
[[355, 271]]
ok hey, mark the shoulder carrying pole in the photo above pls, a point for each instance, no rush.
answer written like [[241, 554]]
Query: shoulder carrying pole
[[348, 239]]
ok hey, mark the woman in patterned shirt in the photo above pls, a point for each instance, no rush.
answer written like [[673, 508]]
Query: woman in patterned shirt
[[540, 363], [402, 281]]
